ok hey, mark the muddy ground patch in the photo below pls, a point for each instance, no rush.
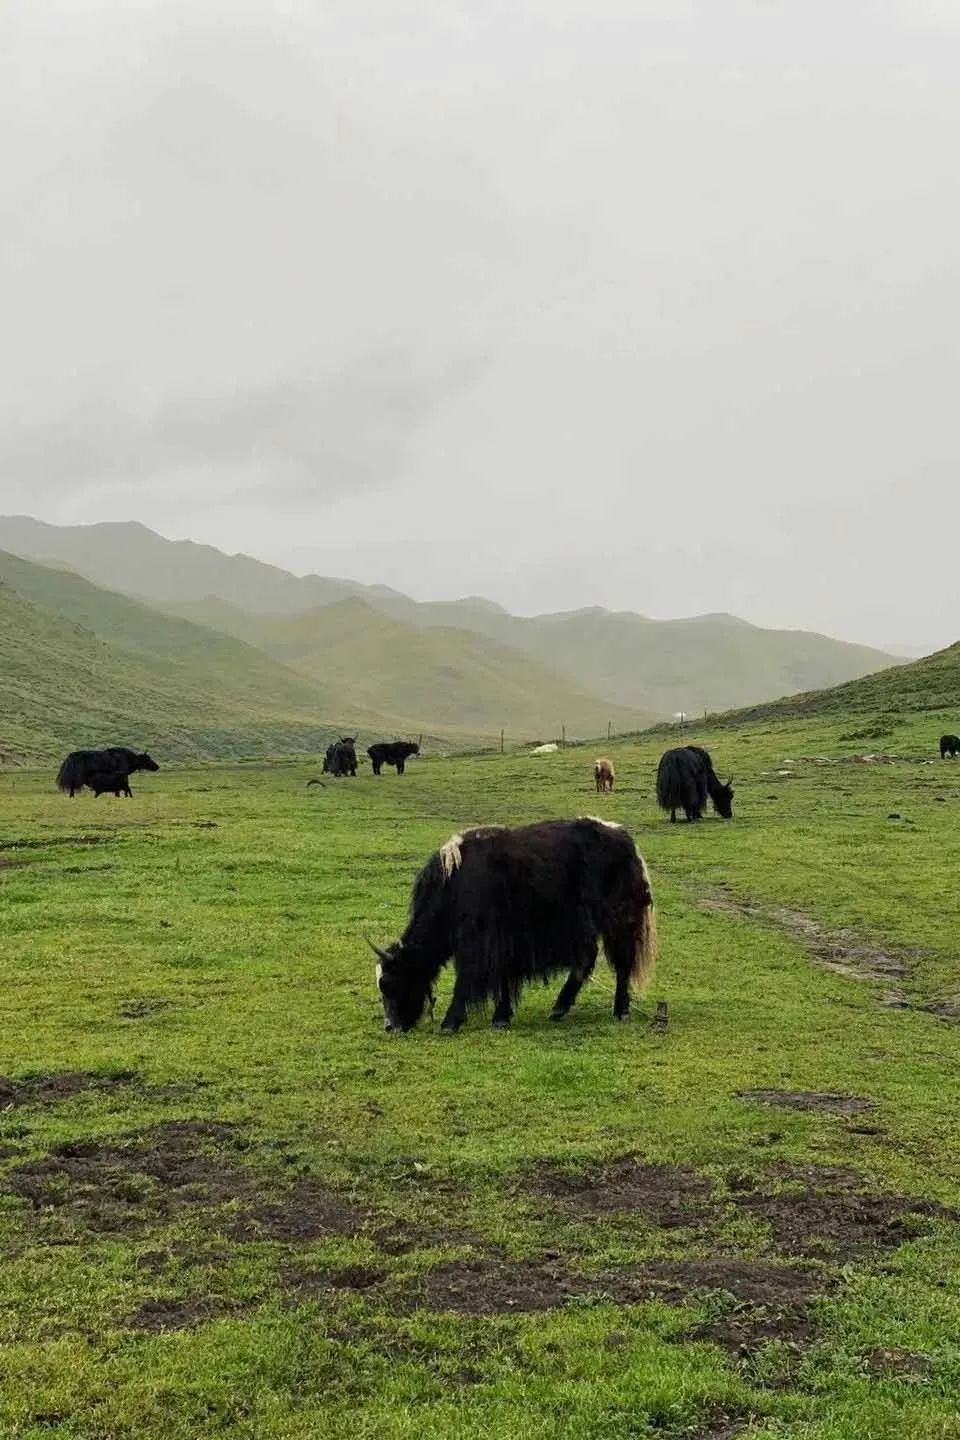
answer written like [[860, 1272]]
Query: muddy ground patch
[[305, 1211], [53, 1087], [159, 1314], [134, 1181], [825, 1101], [840, 1224], [668, 1196], [842, 951]]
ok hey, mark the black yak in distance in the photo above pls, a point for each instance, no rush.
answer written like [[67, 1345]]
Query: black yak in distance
[[685, 777], [341, 757], [512, 906], [392, 752], [949, 745], [103, 770]]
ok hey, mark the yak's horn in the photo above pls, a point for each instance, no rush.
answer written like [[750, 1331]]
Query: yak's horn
[[380, 954]]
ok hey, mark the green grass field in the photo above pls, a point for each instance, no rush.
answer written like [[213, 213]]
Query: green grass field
[[230, 1205]]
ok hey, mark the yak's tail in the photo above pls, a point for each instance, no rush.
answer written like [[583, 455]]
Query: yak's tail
[[69, 776], [645, 955]]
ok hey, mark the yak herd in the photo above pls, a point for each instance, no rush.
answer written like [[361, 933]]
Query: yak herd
[[507, 905]]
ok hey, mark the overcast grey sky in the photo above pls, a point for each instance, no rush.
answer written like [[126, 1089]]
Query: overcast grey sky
[[643, 303]]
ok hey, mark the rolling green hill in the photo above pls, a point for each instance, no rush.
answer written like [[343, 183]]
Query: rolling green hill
[[452, 679], [80, 665], [921, 687], [652, 667], [83, 667]]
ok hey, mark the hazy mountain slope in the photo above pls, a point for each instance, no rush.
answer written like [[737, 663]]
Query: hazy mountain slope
[[709, 662], [924, 685], [127, 556], [81, 666], [448, 678]]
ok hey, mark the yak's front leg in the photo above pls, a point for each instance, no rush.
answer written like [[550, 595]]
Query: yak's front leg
[[572, 986], [457, 1009], [503, 1014]]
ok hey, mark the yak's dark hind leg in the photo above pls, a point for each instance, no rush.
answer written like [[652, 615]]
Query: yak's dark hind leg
[[399, 767], [621, 948], [572, 986]]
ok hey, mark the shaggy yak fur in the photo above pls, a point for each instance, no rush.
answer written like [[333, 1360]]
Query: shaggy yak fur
[[102, 770], [685, 777], [512, 906], [341, 757], [949, 745], [603, 775], [392, 752]]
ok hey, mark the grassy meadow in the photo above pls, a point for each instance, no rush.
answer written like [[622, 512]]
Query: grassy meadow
[[230, 1205]]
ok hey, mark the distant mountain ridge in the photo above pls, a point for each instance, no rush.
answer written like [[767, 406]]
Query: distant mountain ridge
[[84, 666], [622, 661]]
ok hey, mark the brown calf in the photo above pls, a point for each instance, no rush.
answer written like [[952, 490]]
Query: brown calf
[[603, 775]]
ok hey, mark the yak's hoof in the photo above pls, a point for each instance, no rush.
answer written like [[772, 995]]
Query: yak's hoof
[[558, 1014], [621, 1014], [448, 1028], [500, 1024]]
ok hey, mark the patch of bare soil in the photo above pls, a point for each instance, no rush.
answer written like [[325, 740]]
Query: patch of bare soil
[[669, 1196], [841, 951], [54, 840], [721, 1425], [768, 1301], [306, 1211], [824, 1100], [487, 1286], [50, 1089], [320, 1284], [749, 1282], [841, 1223], [159, 1315], [133, 1181], [142, 1007]]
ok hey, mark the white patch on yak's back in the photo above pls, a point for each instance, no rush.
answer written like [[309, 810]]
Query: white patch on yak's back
[[599, 820], [451, 855]]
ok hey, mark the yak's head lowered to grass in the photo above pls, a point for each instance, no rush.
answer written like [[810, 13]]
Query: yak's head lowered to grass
[[722, 797], [405, 985]]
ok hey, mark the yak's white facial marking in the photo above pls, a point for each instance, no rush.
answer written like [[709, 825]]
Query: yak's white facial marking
[[451, 855], [599, 820], [379, 974]]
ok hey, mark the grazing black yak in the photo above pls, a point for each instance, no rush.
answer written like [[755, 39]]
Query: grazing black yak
[[341, 757], [516, 905], [949, 745], [392, 752], [685, 777], [102, 770]]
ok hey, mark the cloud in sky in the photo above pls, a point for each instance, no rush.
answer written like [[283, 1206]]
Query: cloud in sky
[[664, 284]]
